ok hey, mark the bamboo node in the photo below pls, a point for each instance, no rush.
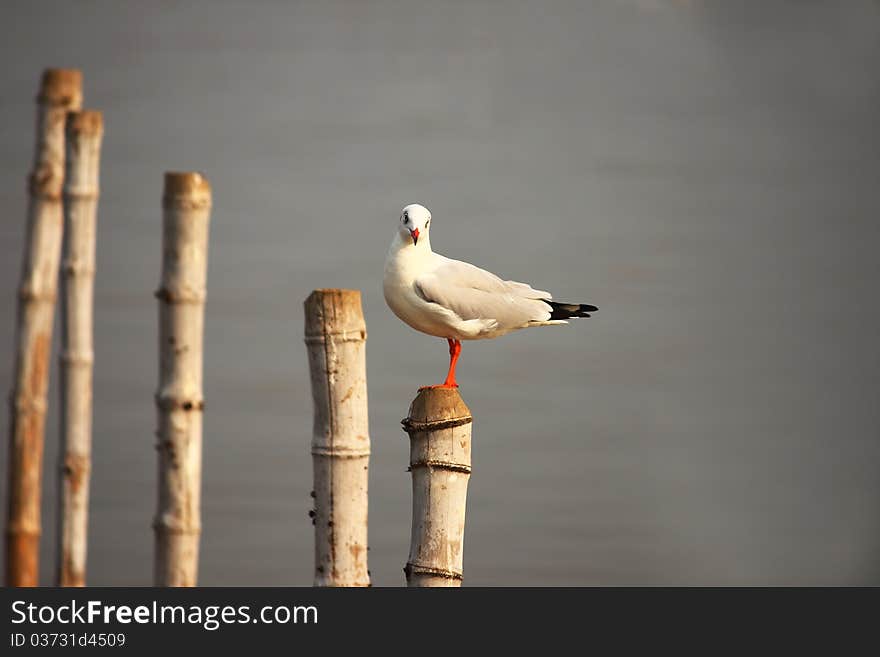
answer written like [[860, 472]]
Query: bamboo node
[[179, 296], [77, 268], [336, 336], [168, 525], [168, 402], [24, 404], [417, 569], [43, 184], [415, 426], [29, 292], [76, 358], [19, 528], [340, 452], [440, 465], [80, 193], [76, 468], [184, 203]]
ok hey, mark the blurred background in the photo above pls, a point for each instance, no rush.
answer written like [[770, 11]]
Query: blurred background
[[704, 172]]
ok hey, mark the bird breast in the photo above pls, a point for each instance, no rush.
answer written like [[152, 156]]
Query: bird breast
[[410, 308]]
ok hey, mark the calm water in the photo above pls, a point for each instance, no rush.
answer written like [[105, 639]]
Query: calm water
[[705, 173]]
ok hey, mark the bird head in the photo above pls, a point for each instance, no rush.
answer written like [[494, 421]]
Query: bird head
[[415, 221]]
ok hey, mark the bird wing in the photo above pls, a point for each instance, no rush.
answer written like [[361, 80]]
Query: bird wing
[[476, 294]]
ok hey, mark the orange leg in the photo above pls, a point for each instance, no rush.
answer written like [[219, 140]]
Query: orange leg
[[454, 353]]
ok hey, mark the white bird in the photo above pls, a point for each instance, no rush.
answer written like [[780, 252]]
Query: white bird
[[455, 300]]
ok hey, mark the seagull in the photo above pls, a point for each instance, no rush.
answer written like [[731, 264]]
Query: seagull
[[455, 300]]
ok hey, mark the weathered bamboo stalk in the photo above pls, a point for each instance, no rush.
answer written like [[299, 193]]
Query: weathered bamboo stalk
[[439, 427], [60, 92], [187, 208], [83, 136], [335, 338]]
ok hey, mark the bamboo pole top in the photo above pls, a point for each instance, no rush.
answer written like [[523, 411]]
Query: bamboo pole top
[[189, 188], [61, 86], [85, 122], [437, 408], [334, 311]]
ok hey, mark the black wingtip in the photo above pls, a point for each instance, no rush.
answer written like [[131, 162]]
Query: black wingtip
[[569, 310]]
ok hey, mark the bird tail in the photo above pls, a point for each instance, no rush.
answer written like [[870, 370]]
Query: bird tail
[[569, 310]]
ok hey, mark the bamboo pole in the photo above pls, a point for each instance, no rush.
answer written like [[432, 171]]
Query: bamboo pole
[[439, 427], [60, 92], [335, 336], [179, 403], [84, 132]]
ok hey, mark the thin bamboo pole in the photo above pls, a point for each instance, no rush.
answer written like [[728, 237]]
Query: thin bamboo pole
[[439, 427], [179, 403], [83, 134], [335, 337], [60, 92]]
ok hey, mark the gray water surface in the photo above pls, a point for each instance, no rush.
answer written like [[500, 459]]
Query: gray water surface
[[705, 172]]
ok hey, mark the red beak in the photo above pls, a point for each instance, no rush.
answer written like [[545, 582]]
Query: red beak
[[415, 235]]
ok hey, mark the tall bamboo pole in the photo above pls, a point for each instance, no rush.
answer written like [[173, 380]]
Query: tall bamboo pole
[[335, 338], [439, 427], [179, 403], [83, 134], [60, 92]]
